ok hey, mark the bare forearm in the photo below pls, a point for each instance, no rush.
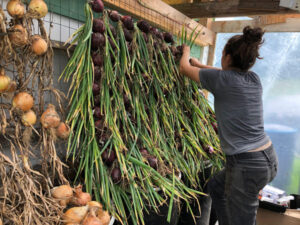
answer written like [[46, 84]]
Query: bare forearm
[[187, 69], [202, 66]]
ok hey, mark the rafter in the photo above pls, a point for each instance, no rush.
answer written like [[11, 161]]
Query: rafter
[[229, 8]]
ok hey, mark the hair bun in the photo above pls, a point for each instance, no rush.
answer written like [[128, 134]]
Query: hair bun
[[253, 35]]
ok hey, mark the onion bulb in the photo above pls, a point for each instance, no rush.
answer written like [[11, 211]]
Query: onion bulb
[[38, 9], [81, 198], [29, 118], [104, 217], [92, 219], [63, 131], [50, 118], [75, 215], [62, 192], [23, 101], [4, 81], [39, 45], [19, 36], [15, 8], [94, 204]]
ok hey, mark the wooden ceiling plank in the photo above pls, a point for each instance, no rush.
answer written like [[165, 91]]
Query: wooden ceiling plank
[[229, 8], [291, 25], [163, 16]]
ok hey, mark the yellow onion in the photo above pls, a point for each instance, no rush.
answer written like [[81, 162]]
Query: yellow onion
[[94, 204], [63, 130], [64, 202], [81, 198], [50, 118], [4, 81], [75, 215], [62, 192], [92, 219], [15, 8], [39, 45], [23, 101], [104, 217], [19, 36], [29, 118], [38, 9]]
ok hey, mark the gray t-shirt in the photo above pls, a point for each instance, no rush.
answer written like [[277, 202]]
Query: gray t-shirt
[[238, 107]]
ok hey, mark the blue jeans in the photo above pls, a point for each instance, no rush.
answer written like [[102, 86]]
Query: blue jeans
[[234, 190]]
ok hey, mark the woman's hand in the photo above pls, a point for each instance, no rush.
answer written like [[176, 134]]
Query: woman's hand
[[194, 62], [186, 50]]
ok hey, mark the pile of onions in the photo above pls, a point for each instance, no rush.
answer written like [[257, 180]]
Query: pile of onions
[[15, 8], [63, 131], [37, 9], [5, 81], [19, 36], [50, 118], [29, 118], [23, 101], [81, 198], [39, 45]]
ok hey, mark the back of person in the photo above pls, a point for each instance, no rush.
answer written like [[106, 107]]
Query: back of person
[[239, 108]]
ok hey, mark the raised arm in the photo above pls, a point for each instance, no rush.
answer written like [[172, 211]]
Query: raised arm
[[196, 63], [186, 68]]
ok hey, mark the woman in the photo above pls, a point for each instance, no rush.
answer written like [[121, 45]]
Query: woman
[[251, 161]]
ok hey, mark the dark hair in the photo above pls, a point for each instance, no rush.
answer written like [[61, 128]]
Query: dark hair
[[244, 49]]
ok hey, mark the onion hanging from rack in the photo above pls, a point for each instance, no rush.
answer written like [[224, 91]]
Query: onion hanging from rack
[[18, 36], [15, 8], [39, 45], [29, 118], [23, 101], [4, 81], [63, 131], [37, 9], [50, 118]]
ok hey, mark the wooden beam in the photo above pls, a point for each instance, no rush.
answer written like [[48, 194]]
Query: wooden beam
[[291, 25], [164, 17], [230, 8]]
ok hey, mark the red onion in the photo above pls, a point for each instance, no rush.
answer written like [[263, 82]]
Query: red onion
[[97, 73], [113, 30], [98, 26], [96, 89], [128, 22], [112, 43], [152, 162], [144, 26], [168, 37], [114, 16], [99, 124], [108, 157], [98, 40], [97, 112], [143, 151], [128, 35], [96, 100], [145, 37], [97, 59], [97, 6], [116, 175]]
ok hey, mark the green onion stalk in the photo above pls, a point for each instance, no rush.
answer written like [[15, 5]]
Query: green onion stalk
[[141, 139]]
